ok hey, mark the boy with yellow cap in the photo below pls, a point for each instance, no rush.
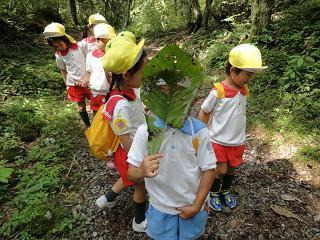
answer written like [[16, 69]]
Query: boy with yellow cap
[[89, 33], [224, 112], [70, 57], [124, 112], [95, 74]]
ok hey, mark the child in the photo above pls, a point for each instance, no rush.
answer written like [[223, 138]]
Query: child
[[70, 57], [95, 74], [126, 60], [227, 120], [178, 179], [88, 32]]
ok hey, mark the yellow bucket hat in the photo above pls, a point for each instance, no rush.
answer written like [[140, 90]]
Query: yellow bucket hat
[[121, 54], [56, 30], [246, 57], [96, 18], [128, 35], [103, 30]]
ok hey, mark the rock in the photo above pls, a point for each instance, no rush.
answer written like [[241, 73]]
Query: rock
[[316, 218], [104, 213], [48, 215], [94, 234]]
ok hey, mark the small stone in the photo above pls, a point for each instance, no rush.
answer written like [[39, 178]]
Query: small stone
[[316, 218], [94, 234], [100, 238], [104, 213], [48, 215], [260, 237]]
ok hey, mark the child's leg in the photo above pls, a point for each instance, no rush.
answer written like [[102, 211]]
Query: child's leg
[[139, 208], [220, 171], [83, 113], [107, 200], [228, 179], [215, 202]]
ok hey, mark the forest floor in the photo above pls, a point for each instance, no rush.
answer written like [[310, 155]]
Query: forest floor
[[278, 196]]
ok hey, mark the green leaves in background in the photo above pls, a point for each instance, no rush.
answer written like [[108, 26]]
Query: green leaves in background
[[183, 75]]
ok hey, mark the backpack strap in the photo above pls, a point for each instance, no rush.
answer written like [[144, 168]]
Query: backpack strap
[[220, 90], [110, 105], [195, 140]]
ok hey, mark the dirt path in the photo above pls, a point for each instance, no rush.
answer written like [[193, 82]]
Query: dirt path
[[275, 195]]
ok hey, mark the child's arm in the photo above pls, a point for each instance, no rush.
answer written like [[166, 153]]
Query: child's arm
[[206, 181], [64, 74], [126, 141], [203, 116], [148, 168]]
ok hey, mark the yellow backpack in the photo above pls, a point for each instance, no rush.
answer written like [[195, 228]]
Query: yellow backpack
[[102, 140]]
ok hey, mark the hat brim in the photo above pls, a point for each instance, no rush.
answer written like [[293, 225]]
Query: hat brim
[[139, 52], [255, 70], [71, 39], [97, 22]]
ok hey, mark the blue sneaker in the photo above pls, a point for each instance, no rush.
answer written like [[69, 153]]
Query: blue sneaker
[[229, 200], [215, 202]]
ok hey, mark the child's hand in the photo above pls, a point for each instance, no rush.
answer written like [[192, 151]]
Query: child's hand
[[150, 165], [188, 211]]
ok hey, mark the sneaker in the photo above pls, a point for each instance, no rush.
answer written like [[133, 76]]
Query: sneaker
[[102, 202], [215, 202], [139, 227], [229, 200]]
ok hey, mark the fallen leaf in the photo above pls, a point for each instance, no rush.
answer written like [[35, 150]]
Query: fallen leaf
[[287, 213], [288, 197]]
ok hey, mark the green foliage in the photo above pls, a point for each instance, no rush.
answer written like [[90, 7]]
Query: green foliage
[[217, 56], [5, 173], [311, 153], [157, 16], [40, 168]]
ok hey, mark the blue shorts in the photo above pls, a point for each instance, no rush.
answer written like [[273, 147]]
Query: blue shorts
[[163, 226]]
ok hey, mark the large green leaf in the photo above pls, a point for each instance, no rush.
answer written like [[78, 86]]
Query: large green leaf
[[183, 74]]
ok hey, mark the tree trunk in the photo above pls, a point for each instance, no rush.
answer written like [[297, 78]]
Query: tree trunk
[[206, 14], [127, 16], [197, 15], [216, 10], [260, 16], [73, 7]]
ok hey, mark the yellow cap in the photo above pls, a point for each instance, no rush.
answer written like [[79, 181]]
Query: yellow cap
[[121, 54], [103, 30], [96, 18], [56, 30], [246, 57], [128, 35]]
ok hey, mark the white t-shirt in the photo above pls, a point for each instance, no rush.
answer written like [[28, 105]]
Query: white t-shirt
[[74, 61], [127, 117], [98, 81], [179, 173], [91, 44], [227, 122]]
